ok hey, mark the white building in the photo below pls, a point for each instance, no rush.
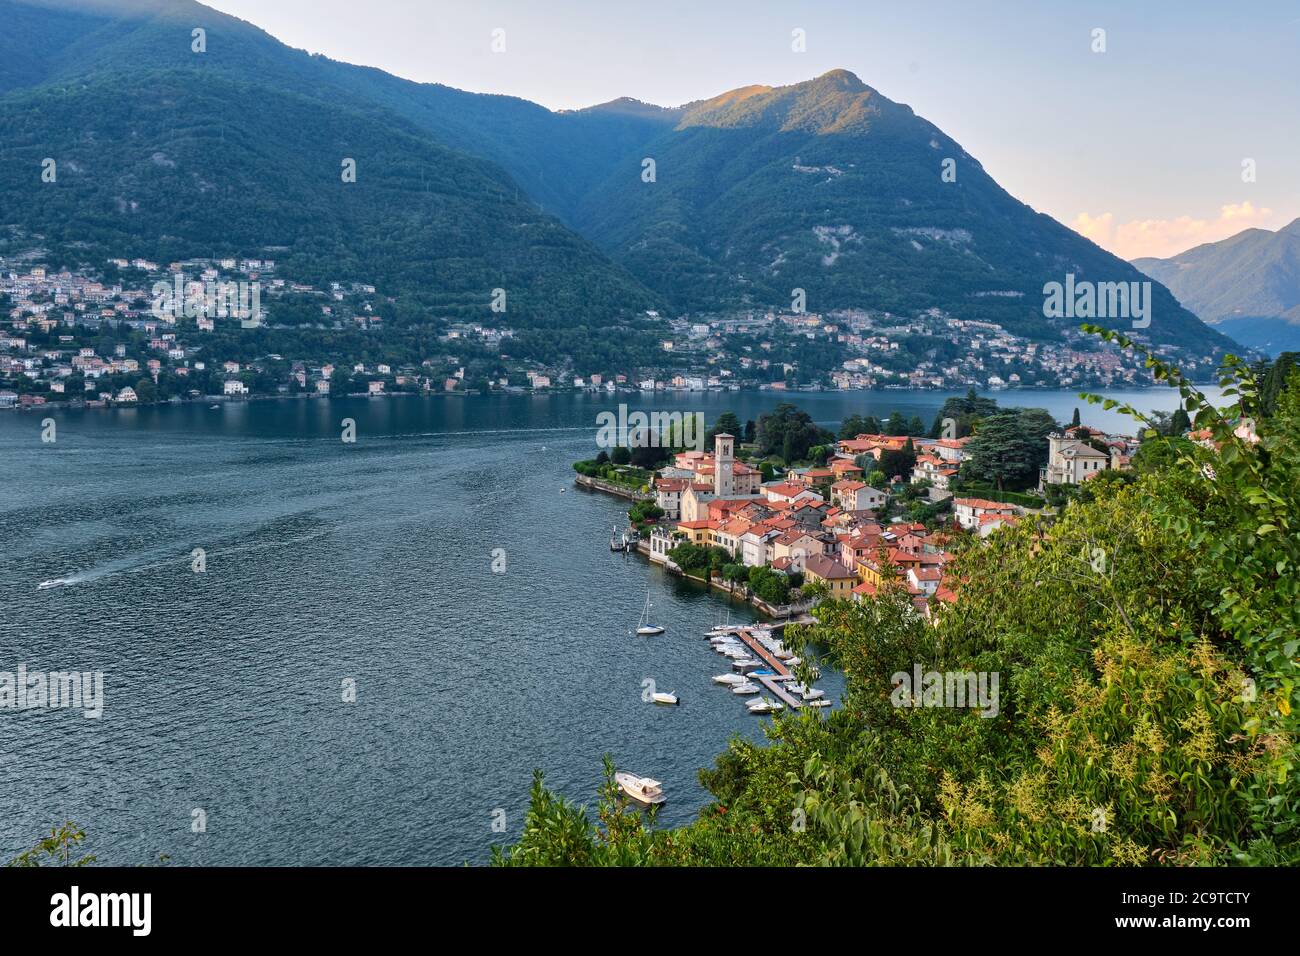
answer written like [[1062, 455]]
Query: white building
[[1070, 461]]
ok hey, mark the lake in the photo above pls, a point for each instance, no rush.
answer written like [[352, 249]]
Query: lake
[[366, 565]]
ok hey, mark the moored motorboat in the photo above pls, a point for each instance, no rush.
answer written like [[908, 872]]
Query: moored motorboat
[[669, 700], [728, 679], [745, 689], [764, 705], [642, 790]]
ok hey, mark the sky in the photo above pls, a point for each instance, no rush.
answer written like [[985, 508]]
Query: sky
[[1184, 129]]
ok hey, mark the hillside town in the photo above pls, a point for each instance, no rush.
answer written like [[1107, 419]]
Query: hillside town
[[824, 525], [143, 331]]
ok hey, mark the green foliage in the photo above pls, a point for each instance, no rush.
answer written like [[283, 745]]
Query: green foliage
[[789, 432], [771, 586], [1009, 448], [56, 849], [727, 423], [645, 511], [965, 411], [896, 463]]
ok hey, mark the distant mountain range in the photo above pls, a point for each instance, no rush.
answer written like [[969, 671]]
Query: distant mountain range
[[1247, 286], [825, 186]]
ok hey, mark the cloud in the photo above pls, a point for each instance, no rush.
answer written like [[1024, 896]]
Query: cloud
[[1168, 237]]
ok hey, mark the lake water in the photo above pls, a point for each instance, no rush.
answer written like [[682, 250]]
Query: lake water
[[371, 563]]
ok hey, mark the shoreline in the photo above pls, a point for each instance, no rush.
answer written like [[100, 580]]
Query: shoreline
[[226, 399]]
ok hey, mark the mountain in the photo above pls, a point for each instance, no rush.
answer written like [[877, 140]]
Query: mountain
[[830, 187], [1247, 286], [166, 153], [825, 186]]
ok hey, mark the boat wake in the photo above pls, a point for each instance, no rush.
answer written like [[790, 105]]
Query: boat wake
[[170, 557], [55, 583]]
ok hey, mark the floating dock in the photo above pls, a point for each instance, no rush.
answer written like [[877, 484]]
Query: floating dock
[[780, 672], [778, 690], [774, 663]]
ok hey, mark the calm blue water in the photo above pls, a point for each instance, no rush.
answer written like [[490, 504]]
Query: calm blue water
[[328, 561]]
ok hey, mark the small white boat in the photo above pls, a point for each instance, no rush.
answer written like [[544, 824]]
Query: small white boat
[[819, 702], [745, 689], [813, 693], [214, 406], [53, 583], [642, 790], [669, 700], [744, 665], [645, 627], [731, 679], [764, 705]]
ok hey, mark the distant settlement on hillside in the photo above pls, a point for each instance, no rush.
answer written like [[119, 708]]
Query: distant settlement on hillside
[[101, 338]]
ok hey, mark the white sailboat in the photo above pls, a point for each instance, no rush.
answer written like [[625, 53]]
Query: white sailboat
[[645, 627]]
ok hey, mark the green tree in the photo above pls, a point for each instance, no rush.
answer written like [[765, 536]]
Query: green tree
[[1009, 448], [727, 423]]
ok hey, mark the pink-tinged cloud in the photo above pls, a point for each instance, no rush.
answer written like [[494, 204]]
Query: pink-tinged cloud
[[1167, 237]]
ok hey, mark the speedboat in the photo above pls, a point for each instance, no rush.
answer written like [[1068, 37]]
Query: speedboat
[[813, 693], [728, 679], [819, 702], [645, 627], [667, 699], [641, 790], [746, 688], [764, 705], [744, 664], [53, 583]]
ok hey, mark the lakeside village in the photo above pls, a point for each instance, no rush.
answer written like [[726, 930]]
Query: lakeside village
[[846, 518], [110, 338]]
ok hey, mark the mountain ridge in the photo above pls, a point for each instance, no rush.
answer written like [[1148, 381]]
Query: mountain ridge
[[1247, 285], [824, 185]]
